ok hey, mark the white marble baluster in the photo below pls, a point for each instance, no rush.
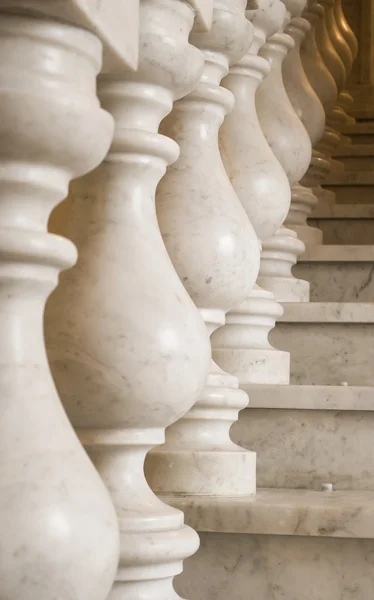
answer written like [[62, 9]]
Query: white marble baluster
[[304, 99], [330, 56], [128, 348], [314, 66], [324, 85], [340, 44], [59, 534], [309, 109], [241, 347], [343, 48], [335, 117], [291, 145], [345, 28], [216, 252], [338, 117]]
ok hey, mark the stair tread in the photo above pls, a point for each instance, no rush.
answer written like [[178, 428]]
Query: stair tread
[[356, 178], [343, 211], [365, 127], [310, 397], [355, 150], [338, 253], [327, 312], [342, 514]]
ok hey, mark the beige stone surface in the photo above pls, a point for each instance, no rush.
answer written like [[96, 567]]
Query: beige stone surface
[[243, 567]]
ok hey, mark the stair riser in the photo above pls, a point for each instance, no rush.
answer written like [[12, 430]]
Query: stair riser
[[305, 448], [338, 282], [357, 163], [362, 138], [345, 231], [327, 353], [270, 567], [353, 194]]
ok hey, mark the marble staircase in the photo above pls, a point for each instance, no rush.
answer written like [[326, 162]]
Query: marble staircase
[[315, 495], [350, 224], [338, 273], [347, 185], [204, 362]]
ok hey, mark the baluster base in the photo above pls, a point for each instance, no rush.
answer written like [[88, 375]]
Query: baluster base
[[279, 255], [199, 457], [242, 347]]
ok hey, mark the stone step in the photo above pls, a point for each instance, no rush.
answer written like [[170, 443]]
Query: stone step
[[345, 223], [305, 436], [360, 132], [356, 157], [280, 545], [329, 342], [338, 273], [352, 187]]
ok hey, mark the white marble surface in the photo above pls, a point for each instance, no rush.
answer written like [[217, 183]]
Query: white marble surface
[[351, 178], [128, 348], [256, 175], [340, 514], [338, 254], [338, 273], [216, 253], [345, 28], [357, 157], [356, 150], [329, 54], [241, 347], [303, 202], [59, 532], [358, 129], [290, 142], [334, 282], [311, 397], [328, 312], [346, 231], [351, 224], [279, 255], [316, 71], [278, 568], [343, 211], [347, 193], [304, 99], [304, 448], [328, 342], [283, 129], [115, 22], [340, 44]]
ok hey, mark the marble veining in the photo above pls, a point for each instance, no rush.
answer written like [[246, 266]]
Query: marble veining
[[241, 347], [278, 568], [328, 351], [346, 230], [338, 281], [127, 347], [311, 397], [215, 251], [305, 448], [340, 514]]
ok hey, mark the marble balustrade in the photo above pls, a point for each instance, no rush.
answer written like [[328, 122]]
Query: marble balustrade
[[181, 134]]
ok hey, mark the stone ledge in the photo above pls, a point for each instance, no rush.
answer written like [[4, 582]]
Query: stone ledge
[[342, 514], [327, 312], [355, 150], [343, 211], [350, 178], [338, 253], [357, 128], [310, 397]]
